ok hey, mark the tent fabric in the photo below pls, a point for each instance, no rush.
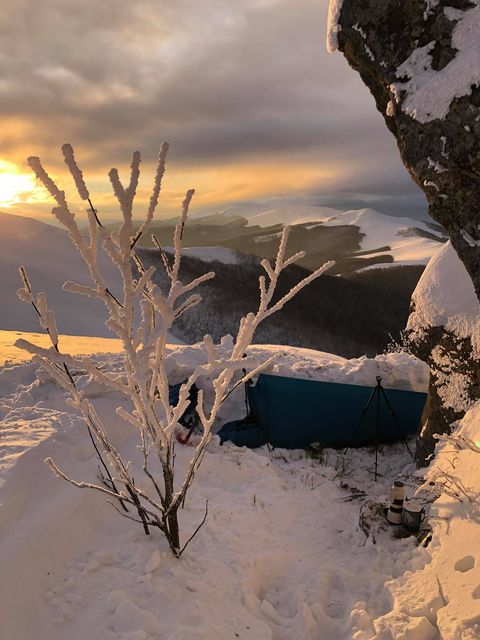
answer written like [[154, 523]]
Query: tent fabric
[[244, 434], [292, 413]]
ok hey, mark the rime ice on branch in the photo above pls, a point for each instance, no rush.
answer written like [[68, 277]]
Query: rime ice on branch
[[145, 381]]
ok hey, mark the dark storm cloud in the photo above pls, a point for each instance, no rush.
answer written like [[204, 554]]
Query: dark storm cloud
[[221, 80]]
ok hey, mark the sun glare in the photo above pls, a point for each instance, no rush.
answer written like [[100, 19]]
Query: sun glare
[[17, 187]]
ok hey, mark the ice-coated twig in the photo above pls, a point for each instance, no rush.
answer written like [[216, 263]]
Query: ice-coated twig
[[162, 156], [77, 174]]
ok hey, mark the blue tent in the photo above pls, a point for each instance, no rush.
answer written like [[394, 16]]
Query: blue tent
[[292, 413]]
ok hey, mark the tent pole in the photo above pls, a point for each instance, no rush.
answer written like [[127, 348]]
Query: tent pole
[[377, 425]]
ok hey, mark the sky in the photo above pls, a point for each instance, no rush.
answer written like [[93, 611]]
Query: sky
[[253, 106]]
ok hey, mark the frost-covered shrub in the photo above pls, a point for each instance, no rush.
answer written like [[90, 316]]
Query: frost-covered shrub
[[145, 380], [400, 345]]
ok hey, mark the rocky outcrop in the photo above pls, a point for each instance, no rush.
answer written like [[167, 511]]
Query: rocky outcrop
[[421, 61], [443, 331]]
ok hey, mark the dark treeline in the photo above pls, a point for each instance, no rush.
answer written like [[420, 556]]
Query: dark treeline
[[347, 315]]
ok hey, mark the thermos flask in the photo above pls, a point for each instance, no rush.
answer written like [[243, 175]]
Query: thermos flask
[[397, 494]]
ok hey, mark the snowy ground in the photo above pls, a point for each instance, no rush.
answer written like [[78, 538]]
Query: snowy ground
[[280, 556], [75, 345]]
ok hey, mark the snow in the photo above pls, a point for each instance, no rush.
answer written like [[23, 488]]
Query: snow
[[77, 345], [71, 567], [447, 590], [428, 94], [281, 555], [381, 230], [445, 296], [334, 9], [210, 254], [290, 215], [47, 254], [398, 370]]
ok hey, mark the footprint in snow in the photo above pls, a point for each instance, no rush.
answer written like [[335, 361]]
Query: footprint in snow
[[465, 564]]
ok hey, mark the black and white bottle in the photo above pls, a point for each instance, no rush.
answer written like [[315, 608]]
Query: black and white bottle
[[397, 495]]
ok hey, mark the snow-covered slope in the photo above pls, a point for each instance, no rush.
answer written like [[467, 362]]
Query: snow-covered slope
[[400, 234], [291, 215], [280, 556], [411, 241], [444, 595], [210, 254], [50, 259]]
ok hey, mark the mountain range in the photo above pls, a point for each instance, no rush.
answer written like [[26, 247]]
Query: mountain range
[[354, 309], [356, 240]]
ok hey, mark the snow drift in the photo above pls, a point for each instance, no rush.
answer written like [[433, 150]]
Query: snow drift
[[72, 569]]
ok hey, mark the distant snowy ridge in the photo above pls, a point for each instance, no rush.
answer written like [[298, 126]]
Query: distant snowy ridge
[[50, 259], [291, 215], [380, 230], [411, 241], [210, 254]]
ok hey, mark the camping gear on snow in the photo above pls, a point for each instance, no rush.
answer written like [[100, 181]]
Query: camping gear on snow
[[397, 494], [413, 515], [189, 419], [373, 522], [292, 413]]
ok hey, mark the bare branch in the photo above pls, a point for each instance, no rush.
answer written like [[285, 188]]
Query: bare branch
[[196, 530]]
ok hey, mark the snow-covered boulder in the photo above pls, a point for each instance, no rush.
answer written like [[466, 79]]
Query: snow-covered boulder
[[443, 331], [445, 296]]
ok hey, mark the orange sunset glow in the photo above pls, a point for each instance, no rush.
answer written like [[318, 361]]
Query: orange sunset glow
[[17, 187], [241, 125], [215, 186]]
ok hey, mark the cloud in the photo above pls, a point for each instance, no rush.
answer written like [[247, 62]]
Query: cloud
[[226, 83]]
